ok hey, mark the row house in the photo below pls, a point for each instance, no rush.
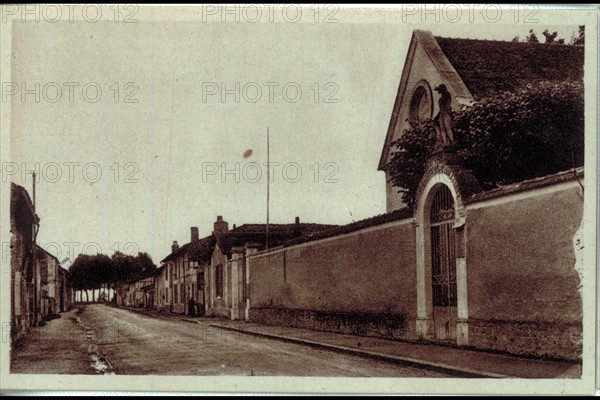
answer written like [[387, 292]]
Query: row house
[[24, 225], [40, 287], [64, 290], [181, 276], [52, 284], [138, 292], [227, 287], [211, 270]]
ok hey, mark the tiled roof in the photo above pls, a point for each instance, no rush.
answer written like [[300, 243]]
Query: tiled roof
[[534, 183], [488, 67], [147, 275], [256, 234], [198, 250], [39, 248], [159, 270]]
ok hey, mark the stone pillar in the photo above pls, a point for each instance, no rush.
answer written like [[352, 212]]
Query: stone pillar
[[237, 253], [462, 322], [249, 252], [424, 323]]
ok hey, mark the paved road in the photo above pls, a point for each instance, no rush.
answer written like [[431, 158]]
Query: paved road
[[138, 344]]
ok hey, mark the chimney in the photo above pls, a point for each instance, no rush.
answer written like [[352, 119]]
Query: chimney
[[234, 226], [220, 226], [174, 246], [297, 230], [194, 234]]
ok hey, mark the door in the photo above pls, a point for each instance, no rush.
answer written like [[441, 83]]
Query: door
[[443, 265]]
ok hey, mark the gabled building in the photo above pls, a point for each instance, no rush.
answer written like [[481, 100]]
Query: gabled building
[[46, 282], [471, 70], [181, 272], [52, 285]]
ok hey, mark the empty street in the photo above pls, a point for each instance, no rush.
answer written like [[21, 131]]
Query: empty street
[[104, 339]]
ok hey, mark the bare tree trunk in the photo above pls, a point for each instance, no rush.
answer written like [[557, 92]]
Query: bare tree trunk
[[87, 296]]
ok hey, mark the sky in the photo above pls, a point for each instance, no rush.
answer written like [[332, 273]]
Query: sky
[[177, 133]]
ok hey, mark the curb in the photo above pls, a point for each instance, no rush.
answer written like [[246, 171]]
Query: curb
[[406, 361]]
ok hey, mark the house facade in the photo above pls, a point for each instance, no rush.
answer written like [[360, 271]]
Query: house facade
[[64, 297], [182, 274], [52, 284], [139, 293], [24, 224], [46, 277], [40, 287]]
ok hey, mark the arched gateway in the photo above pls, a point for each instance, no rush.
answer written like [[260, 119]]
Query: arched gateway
[[442, 306]]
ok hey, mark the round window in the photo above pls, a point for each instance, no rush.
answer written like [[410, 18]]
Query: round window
[[420, 104]]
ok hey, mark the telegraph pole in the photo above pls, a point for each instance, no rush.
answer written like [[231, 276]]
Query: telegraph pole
[[268, 184]]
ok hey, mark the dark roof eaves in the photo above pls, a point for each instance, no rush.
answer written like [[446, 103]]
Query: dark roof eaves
[[397, 215]]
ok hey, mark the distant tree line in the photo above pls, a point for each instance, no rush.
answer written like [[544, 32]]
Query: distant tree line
[[101, 272]]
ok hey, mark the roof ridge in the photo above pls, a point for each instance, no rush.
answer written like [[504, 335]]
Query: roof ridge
[[509, 41]]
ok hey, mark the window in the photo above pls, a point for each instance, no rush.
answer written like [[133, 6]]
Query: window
[[200, 280], [421, 104], [175, 297], [219, 280]]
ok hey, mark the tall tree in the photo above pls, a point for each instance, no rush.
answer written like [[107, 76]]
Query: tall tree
[[579, 40]]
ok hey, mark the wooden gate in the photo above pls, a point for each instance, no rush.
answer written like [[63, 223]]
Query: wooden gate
[[443, 265]]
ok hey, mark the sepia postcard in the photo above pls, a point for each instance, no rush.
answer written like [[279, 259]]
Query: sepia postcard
[[253, 198]]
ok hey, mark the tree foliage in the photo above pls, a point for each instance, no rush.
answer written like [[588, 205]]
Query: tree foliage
[[551, 37], [532, 132], [90, 272]]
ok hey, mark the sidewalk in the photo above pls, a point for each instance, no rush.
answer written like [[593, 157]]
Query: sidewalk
[[58, 347], [446, 359]]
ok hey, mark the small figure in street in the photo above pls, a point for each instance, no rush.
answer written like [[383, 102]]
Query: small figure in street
[[191, 307], [443, 120]]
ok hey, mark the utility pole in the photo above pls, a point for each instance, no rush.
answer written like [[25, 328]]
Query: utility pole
[[268, 184]]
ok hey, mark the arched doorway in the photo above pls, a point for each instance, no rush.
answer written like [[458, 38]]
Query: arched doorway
[[442, 301], [443, 264]]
